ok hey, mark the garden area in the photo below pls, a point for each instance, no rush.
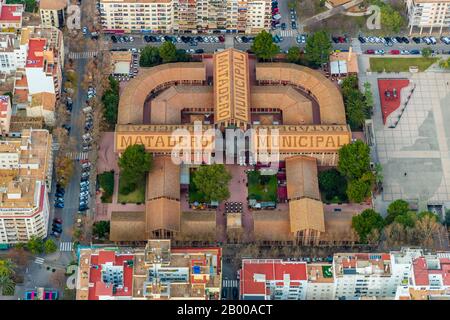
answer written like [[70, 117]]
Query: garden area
[[400, 64], [262, 188], [106, 181], [135, 196]]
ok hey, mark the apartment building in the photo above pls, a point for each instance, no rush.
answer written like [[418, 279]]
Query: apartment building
[[157, 272], [5, 115], [374, 275], [320, 281], [53, 13], [136, 15], [10, 16], [189, 16], [12, 53], [428, 15], [273, 279], [25, 179], [37, 61]]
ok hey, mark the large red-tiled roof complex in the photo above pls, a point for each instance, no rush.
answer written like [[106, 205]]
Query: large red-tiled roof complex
[[235, 92]]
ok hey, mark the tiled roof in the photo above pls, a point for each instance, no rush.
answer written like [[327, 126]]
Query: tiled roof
[[11, 12], [255, 274]]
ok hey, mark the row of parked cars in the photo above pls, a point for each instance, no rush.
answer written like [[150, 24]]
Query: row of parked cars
[[84, 185], [244, 39], [394, 52], [185, 39], [390, 41], [56, 227], [59, 196], [121, 39]]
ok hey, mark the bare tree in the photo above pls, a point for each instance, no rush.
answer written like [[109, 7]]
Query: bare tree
[[425, 229]]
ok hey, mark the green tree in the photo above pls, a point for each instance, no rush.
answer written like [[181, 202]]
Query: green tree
[[50, 246], [7, 285], [359, 189], [333, 184], [212, 181], [349, 84], [149, 57], [365, 222], [264, 47], [407, 219], [134, 164], [391, 19], [368, 99], [318, 48], [7, 267], [426, 52], [30, 5], [293, 55], [101, 229], [396, 208], [168, 52], [35, 245], [429, 214], [354, 160], [110, 100], [355, 110]]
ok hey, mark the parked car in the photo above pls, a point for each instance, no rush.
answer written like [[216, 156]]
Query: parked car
[[370, 51], [59, 205], [394, 52], [57, 220]]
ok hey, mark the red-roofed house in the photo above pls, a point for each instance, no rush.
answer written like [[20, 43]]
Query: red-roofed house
[[273, 279], [432, 271], [10, 15], [105, 275], [5, 115]]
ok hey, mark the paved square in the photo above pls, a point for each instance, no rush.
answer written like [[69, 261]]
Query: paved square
[[415, 154]]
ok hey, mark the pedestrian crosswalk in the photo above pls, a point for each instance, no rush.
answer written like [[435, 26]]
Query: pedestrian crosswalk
[[77, 155], [230, 283], [66, 246], [83, 55], [287, 33], [39, 260]]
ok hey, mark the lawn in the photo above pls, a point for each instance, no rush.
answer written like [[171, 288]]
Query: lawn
[[136, 196], [400, 64], [106, 180], [262, 188]]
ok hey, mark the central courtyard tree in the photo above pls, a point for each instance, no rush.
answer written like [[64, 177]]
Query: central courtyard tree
[[134, 164], [212, 181]]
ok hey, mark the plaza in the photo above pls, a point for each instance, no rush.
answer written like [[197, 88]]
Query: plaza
[[414, 153]]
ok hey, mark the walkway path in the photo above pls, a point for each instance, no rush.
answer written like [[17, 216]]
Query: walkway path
[[329, 13]]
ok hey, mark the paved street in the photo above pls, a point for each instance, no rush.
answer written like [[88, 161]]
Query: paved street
[[287, 43], [41, 268]]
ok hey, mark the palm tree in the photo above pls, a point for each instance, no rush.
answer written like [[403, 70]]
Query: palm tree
[[7, 285], [7, 267]]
